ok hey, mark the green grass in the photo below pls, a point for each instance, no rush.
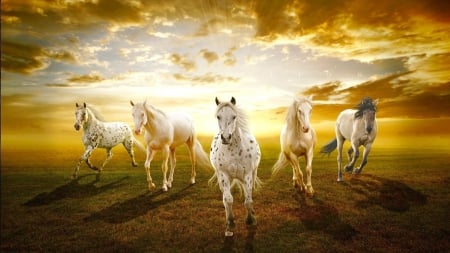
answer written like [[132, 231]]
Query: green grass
[[399, 204]]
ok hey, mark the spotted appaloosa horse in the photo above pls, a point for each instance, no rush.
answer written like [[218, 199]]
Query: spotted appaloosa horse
[[235, 156], [100, 134], [359, 126]]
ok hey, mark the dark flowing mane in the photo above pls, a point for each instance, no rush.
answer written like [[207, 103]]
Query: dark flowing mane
[[365, 104]]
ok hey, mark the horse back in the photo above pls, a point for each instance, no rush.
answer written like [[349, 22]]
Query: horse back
[[183, 127]]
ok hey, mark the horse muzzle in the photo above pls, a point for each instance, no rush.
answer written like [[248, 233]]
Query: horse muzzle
[[225, 139], [76, 126]]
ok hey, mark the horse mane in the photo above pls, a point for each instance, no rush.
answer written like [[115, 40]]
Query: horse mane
[[96, 113], [241, 117], [291, 115], [152, 109], [365, 104]]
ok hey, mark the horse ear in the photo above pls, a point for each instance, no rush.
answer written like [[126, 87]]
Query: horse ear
[[84, 104], [131, 102], [233, 101], [217, 101]]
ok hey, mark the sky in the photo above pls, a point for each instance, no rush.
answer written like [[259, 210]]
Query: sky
[[180, 55]]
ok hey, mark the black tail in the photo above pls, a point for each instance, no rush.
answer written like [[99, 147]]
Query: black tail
[[329, 147]]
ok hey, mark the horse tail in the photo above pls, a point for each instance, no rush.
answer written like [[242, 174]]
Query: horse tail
[[139, 145], [201, 156], [329, 147], [281, 163]]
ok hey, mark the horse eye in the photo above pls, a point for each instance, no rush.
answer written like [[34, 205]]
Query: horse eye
[[218, 117], [234, 117]]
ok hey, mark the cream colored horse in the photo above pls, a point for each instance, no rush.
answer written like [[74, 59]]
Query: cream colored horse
[[297, 139], [359, 126], [165, 132]]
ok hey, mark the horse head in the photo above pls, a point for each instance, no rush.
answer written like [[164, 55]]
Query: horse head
[[366, 110], [139, 116], [226, 117], [81, 116], [303, 107]]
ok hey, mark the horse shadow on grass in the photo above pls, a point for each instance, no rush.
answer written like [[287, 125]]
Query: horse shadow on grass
[[129, 209], [319, 216], [228, 242], [74, 189], [389, 194]]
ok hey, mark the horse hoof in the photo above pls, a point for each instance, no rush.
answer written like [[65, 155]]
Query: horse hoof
[[151, 186], [135, 164], [340, 179], [228, 233], [193, 181], [164, 188], [74, 176]]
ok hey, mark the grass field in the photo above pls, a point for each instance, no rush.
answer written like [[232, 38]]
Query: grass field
[[399, 204]]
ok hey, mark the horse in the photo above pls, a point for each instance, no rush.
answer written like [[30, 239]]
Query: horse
[[235, 156], [100, 134], [297, 139], [165, 132], [359, 126]]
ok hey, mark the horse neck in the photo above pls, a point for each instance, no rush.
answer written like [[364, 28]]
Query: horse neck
[[155, 120], [91, 120], [293, 123]]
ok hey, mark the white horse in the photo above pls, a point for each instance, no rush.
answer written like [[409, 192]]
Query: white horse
[[100, 134], [360, 127], [235, 156], [297, 139], [165, 132]]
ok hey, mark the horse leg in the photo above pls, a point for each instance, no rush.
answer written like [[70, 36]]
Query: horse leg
[[85, 157], [191, 146], [248, 203], [349, 154], [309, 158], [366, 152], [173, 162], [340, 144], [225, 186], [297, 178], [165, 152], [108, 157], [351, 164], [150, 155], [128, 144]]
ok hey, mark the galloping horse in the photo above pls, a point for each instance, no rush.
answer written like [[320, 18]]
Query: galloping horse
[[235, 156], [297, 139], [165, 132], [360, 127], [100, 134]]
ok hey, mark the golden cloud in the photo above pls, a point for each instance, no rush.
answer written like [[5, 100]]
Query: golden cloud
[[183, 62], [209, 56]]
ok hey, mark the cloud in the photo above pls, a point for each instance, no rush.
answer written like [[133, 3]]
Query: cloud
[[207, 78], [230, 59], [397, 99], [21, 58], [89, 78], [209, 56], [182, 62], [26, 58]]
